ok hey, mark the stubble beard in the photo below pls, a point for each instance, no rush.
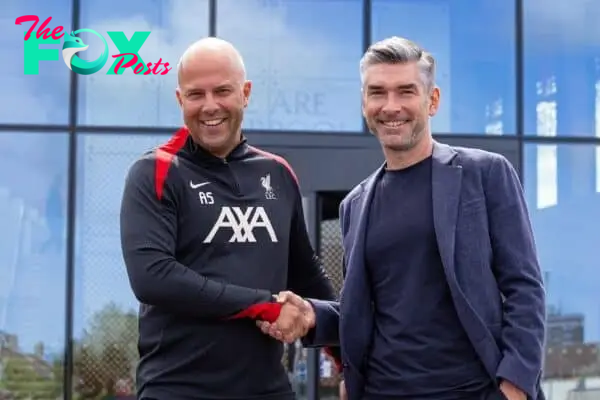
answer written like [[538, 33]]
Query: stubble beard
[[406, 143]]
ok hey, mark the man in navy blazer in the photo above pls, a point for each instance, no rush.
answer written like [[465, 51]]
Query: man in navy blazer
[[443, 295]]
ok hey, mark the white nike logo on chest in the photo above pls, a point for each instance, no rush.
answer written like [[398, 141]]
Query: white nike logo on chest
[[197, 185]]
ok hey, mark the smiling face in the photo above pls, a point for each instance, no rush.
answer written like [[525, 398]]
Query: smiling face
[[213, 95], [397, 104]]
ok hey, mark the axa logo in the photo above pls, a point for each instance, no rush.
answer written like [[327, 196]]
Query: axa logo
[[128, 56], [242, 224]]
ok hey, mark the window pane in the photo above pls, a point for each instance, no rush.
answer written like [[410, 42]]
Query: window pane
[[105, 317], [564, 203], [302, 56], [130, 99], [41, 96], [562, 67], [33, 189], [474, 45]]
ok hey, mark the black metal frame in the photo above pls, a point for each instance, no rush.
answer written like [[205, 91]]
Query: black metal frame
[[73, 129], [71, 215]]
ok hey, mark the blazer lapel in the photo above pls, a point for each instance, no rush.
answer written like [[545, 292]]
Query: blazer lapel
[[356, 315], [446, 186], [358, 226]]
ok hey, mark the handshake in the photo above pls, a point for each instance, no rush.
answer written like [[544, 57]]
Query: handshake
[[296, 318]]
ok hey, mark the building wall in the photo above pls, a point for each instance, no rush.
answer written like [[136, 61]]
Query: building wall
[[520, 77]]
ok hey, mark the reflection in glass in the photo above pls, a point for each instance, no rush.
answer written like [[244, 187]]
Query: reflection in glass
[[474, 45], [33, 99], [561, 41], [547, 176], [566, 236], [547, 123], [494, 114], [130, 99], [33, 186], [105, 315], [302, 57]]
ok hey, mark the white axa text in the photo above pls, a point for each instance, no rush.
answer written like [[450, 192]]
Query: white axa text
[[242, 223]]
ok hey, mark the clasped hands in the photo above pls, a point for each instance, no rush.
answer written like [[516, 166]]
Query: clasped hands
[[296, 318]]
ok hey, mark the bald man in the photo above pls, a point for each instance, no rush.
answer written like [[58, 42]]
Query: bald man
[[211, 230]]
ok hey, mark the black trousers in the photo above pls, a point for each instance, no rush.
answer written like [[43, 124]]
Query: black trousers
[[489, 393], [493, 393]]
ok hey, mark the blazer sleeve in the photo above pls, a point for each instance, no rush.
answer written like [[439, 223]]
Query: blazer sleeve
[[519, 278], [326, 330]]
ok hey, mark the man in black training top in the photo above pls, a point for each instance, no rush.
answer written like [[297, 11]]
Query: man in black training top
[[211, 229]]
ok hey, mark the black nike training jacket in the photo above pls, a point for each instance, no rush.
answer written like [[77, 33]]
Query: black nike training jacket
[[207, 242]]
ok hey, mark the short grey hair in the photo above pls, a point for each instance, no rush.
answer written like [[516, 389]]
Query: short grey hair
[[397, 50]]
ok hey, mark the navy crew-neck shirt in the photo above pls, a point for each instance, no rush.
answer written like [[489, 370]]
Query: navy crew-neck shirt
[[420, 349]]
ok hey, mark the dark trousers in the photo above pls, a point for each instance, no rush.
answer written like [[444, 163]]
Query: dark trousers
[[492, 392]]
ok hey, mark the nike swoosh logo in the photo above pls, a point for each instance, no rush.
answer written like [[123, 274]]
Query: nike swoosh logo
[[198, 185]]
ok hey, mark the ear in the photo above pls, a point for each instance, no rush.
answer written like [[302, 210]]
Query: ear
[[179, 97], [434, 101], [247, 90], [363, 103]]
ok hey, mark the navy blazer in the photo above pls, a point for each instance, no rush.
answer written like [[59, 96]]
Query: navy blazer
[[488, 252]]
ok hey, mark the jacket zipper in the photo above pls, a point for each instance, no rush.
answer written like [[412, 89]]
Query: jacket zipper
[[236, 185]]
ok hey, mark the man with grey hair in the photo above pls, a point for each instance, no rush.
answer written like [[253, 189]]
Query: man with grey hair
[[443, 296]]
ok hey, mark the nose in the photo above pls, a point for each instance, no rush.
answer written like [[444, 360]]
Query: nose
[[210, 106], [392, 104]]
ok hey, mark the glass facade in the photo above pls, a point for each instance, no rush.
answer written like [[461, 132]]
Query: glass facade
[[302, 56], [129, 99], [33, 268], [42, 97], [526, 71], [562, 183], [474, 43], [104, 313], [561, 74]]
